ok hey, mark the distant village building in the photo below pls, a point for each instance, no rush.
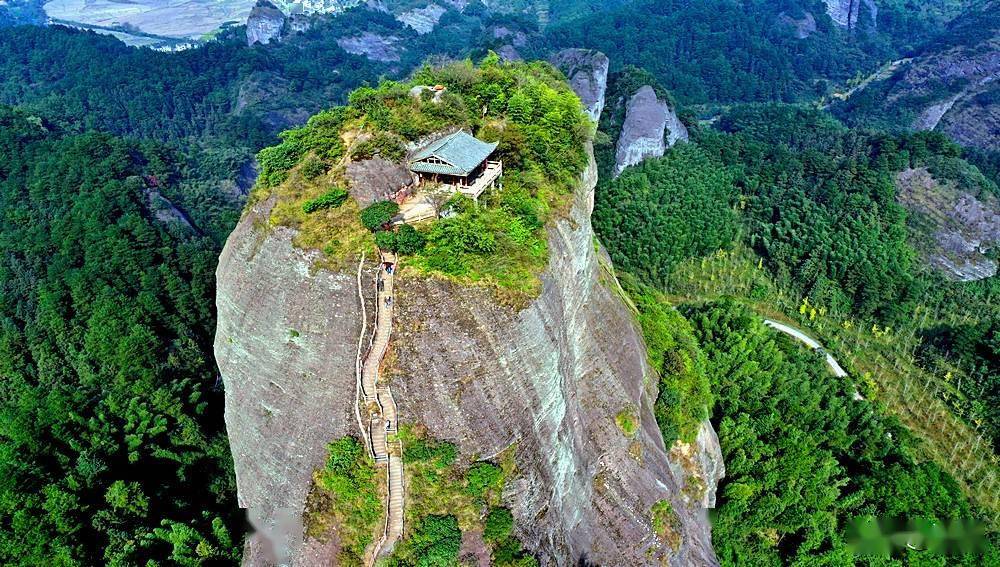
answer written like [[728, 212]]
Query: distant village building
[[460, 161]]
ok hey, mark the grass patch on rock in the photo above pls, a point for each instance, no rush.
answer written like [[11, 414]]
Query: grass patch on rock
[[346, 497], [447, 496]]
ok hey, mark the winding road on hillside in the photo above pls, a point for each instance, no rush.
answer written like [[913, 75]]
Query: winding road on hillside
[[810, 342]]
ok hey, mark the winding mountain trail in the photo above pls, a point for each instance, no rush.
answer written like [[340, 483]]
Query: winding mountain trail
[[381, 408]]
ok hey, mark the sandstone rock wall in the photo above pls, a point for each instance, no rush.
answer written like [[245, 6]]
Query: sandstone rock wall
[[286, 344], [265, 23], [587, 71], [849, 13], [650, 127], [549, 381], [957, 229]]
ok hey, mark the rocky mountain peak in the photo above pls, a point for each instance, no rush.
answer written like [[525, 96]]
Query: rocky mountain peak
[[265, 23], [587, 71], [650, 127]]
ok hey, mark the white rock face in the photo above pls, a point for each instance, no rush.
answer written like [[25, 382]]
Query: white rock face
[[960, 230], [587, 71], [265, 23], [848, 13], [713, 468], [650, 127], [372, 46], [423, 20], [286, 345]]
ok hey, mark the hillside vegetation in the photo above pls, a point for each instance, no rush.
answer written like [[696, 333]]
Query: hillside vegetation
[[526, 107], [112, 439], [800, 213]]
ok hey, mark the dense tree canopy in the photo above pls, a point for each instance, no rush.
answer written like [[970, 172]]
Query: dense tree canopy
[[112, 441], [802, 455], [666, 210]]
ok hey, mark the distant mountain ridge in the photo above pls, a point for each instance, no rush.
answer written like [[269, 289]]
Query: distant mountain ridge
[[952, 85]]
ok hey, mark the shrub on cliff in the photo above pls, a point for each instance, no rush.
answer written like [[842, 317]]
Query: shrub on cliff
[[331, 199], [379, 214], [404, 240], [345, 494]]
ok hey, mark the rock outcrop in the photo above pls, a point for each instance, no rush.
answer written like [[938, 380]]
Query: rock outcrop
[[801, 27], [953, 86], [954, 229], [546, 380], [377, 179], [422, 20], [372, 46], [964, 86], [286, 344], [850, 13], [587, 71], [650, 127], [165, 211], [265, 23]]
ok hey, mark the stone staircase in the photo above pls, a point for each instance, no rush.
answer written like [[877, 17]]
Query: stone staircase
[[381, 408]]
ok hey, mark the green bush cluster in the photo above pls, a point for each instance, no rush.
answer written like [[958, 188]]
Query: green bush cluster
[[403, 240], [484, 480], [320, 137], [441, 453], [381, 144], [684, 395], [435, 541], [331, 199], [505, 549], [348, 494], [376, 216]]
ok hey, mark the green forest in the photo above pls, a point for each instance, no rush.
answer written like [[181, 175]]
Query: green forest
[[815, 201], [721, 51], [114, 450], [780, 413]]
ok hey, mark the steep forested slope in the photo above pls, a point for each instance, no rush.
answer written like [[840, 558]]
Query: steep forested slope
[[803, 456], [722, 51], [949, 85], [111, 432], [817, 204]]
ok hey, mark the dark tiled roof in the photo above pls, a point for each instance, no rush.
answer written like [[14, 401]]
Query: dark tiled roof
[[460, 151]]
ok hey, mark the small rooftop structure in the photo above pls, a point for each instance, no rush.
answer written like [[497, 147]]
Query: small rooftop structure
[[458, 160], [457, 154], [456, 163]]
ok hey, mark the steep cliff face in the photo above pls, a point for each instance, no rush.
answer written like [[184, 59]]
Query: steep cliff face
[[954, 230], [286, 344], [650, 127], [265, 23], [422, 20], [587, 71], [852, 13], [962, 93], [547, 380]]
